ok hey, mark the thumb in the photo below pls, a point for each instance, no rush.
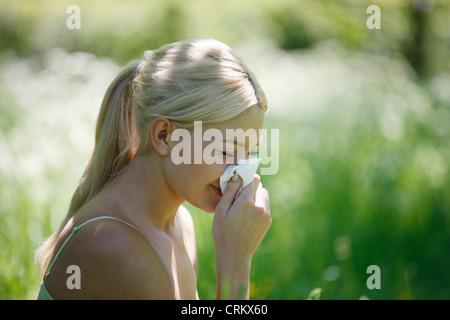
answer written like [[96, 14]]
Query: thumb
[[229, 194]]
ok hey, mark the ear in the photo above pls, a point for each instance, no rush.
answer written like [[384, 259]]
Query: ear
[[160, 135]]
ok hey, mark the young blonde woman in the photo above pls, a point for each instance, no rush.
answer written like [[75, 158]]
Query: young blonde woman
[[126, 230]]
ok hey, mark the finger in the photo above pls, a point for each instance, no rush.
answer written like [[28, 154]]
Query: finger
[[258, 192], [229, 194], [262, 198], [249, 191]]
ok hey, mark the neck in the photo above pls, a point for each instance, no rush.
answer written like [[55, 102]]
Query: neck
[[145, 194]]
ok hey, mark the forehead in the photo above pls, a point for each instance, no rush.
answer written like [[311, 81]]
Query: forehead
[[252, 118]]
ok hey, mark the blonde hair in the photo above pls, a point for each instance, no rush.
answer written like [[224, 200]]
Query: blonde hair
[[186, 81]]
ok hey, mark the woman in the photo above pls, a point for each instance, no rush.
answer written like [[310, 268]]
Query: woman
[[126, 233]]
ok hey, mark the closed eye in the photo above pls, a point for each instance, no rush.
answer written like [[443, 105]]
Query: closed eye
[[226, 154], [253, 153], [232, 154]]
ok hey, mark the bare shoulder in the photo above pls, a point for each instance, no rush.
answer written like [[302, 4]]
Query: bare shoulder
[[115, 262]]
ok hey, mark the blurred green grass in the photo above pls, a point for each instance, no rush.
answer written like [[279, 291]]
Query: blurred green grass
[[364, 135]]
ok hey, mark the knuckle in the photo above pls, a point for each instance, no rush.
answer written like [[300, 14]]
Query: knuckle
[[260, 211], [268, 216]]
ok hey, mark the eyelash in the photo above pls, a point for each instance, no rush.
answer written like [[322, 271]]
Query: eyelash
[[252, 154]]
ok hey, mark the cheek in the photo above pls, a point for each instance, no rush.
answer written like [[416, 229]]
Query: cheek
[[192, 182], [205, 197], [177, 176], [189, 175]]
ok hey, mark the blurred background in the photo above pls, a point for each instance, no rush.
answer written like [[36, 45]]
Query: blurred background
[[363, 114]]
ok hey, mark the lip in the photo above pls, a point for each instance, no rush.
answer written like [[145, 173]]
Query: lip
[[216, 189]]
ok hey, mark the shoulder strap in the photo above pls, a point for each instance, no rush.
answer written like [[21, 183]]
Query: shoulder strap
[[75, 230]]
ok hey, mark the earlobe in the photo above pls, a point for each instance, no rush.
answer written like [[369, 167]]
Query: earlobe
[[160, 135]]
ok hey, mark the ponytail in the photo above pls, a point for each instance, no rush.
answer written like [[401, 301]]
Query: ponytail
[[116, 142]]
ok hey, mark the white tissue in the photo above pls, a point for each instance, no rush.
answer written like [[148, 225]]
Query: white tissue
[[246, 169]]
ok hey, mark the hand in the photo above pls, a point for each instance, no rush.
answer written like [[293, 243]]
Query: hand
[[239, 226]]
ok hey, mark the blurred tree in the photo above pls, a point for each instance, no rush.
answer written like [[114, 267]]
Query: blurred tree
[[415, 48]]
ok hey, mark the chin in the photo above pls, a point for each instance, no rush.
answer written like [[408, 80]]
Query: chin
[[207, 206], [210, 210]]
